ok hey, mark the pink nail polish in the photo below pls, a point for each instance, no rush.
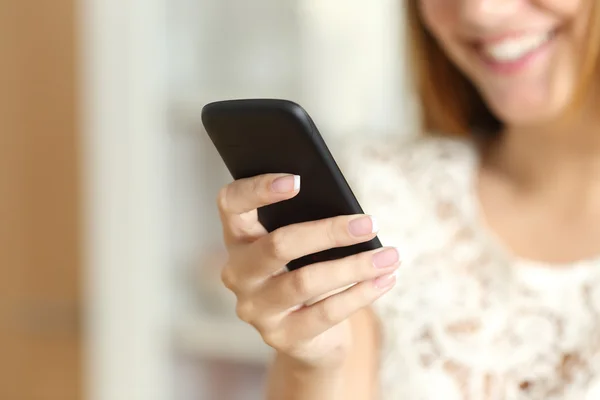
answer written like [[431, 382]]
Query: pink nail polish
[[363, 226], [286, 184], [386, 258]]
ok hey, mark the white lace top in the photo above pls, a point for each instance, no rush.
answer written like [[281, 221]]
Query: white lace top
[[467, 320]]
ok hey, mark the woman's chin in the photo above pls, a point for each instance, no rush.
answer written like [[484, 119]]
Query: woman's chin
[[532, 104], [528, 113]]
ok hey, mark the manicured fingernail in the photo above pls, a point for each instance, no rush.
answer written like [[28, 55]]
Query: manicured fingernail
[[286, 184], [386, 281], [363, 226], [386, 258]]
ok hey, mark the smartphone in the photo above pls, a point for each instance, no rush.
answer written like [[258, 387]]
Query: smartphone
[[259, 136]]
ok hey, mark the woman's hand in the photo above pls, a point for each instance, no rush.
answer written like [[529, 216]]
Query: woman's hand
[[302, 314]]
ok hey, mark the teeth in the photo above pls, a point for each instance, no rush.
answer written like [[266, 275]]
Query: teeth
[[515, 48]]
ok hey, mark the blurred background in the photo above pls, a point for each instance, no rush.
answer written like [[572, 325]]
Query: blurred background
[[109, 241]]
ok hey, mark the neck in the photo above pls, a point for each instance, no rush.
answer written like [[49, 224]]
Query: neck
[[559, 157]]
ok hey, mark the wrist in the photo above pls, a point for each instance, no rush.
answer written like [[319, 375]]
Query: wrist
[[294, 379], [311, 367]]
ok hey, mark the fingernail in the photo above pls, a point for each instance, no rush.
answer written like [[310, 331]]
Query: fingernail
[[386, 281], [386, 258], [286, 184], [363, 226]]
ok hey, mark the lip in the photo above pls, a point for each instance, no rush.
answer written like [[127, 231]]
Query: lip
[[515, 66]]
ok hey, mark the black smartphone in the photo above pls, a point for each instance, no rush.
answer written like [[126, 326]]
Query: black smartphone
[[259, 136]]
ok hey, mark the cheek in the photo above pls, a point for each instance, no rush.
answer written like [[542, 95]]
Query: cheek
[[565, 8], [575, 12], [439, 16]]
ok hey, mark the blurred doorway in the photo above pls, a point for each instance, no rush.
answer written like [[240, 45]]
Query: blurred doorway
[[40, 338]]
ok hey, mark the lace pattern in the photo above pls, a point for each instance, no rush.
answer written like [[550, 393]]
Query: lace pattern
[[466, 321]]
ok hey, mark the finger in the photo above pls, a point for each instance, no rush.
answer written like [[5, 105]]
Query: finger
[[244, 195], [314, 281], [294, 241], [248, 267], [308, 322], [241, 228], [238, 201]]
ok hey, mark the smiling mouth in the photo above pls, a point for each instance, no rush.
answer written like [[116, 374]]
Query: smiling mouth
[[514, 49]]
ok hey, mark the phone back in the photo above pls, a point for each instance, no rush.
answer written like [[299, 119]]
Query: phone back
[[259, 136]]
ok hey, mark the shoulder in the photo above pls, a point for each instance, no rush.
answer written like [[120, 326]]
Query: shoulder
[[408, 183], [399, 163], [417, 152]]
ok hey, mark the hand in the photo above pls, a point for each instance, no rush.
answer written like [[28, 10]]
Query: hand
[[303, 313]]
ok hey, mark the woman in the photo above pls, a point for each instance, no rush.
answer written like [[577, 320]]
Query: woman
[[495, 291]]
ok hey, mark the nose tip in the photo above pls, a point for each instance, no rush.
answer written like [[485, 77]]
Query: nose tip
[[485, 12]]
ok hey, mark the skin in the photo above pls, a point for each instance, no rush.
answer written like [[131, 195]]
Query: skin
[[320, 328], [540, 203]]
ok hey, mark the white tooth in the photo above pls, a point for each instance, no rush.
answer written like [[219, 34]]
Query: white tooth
[[514, 48]]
